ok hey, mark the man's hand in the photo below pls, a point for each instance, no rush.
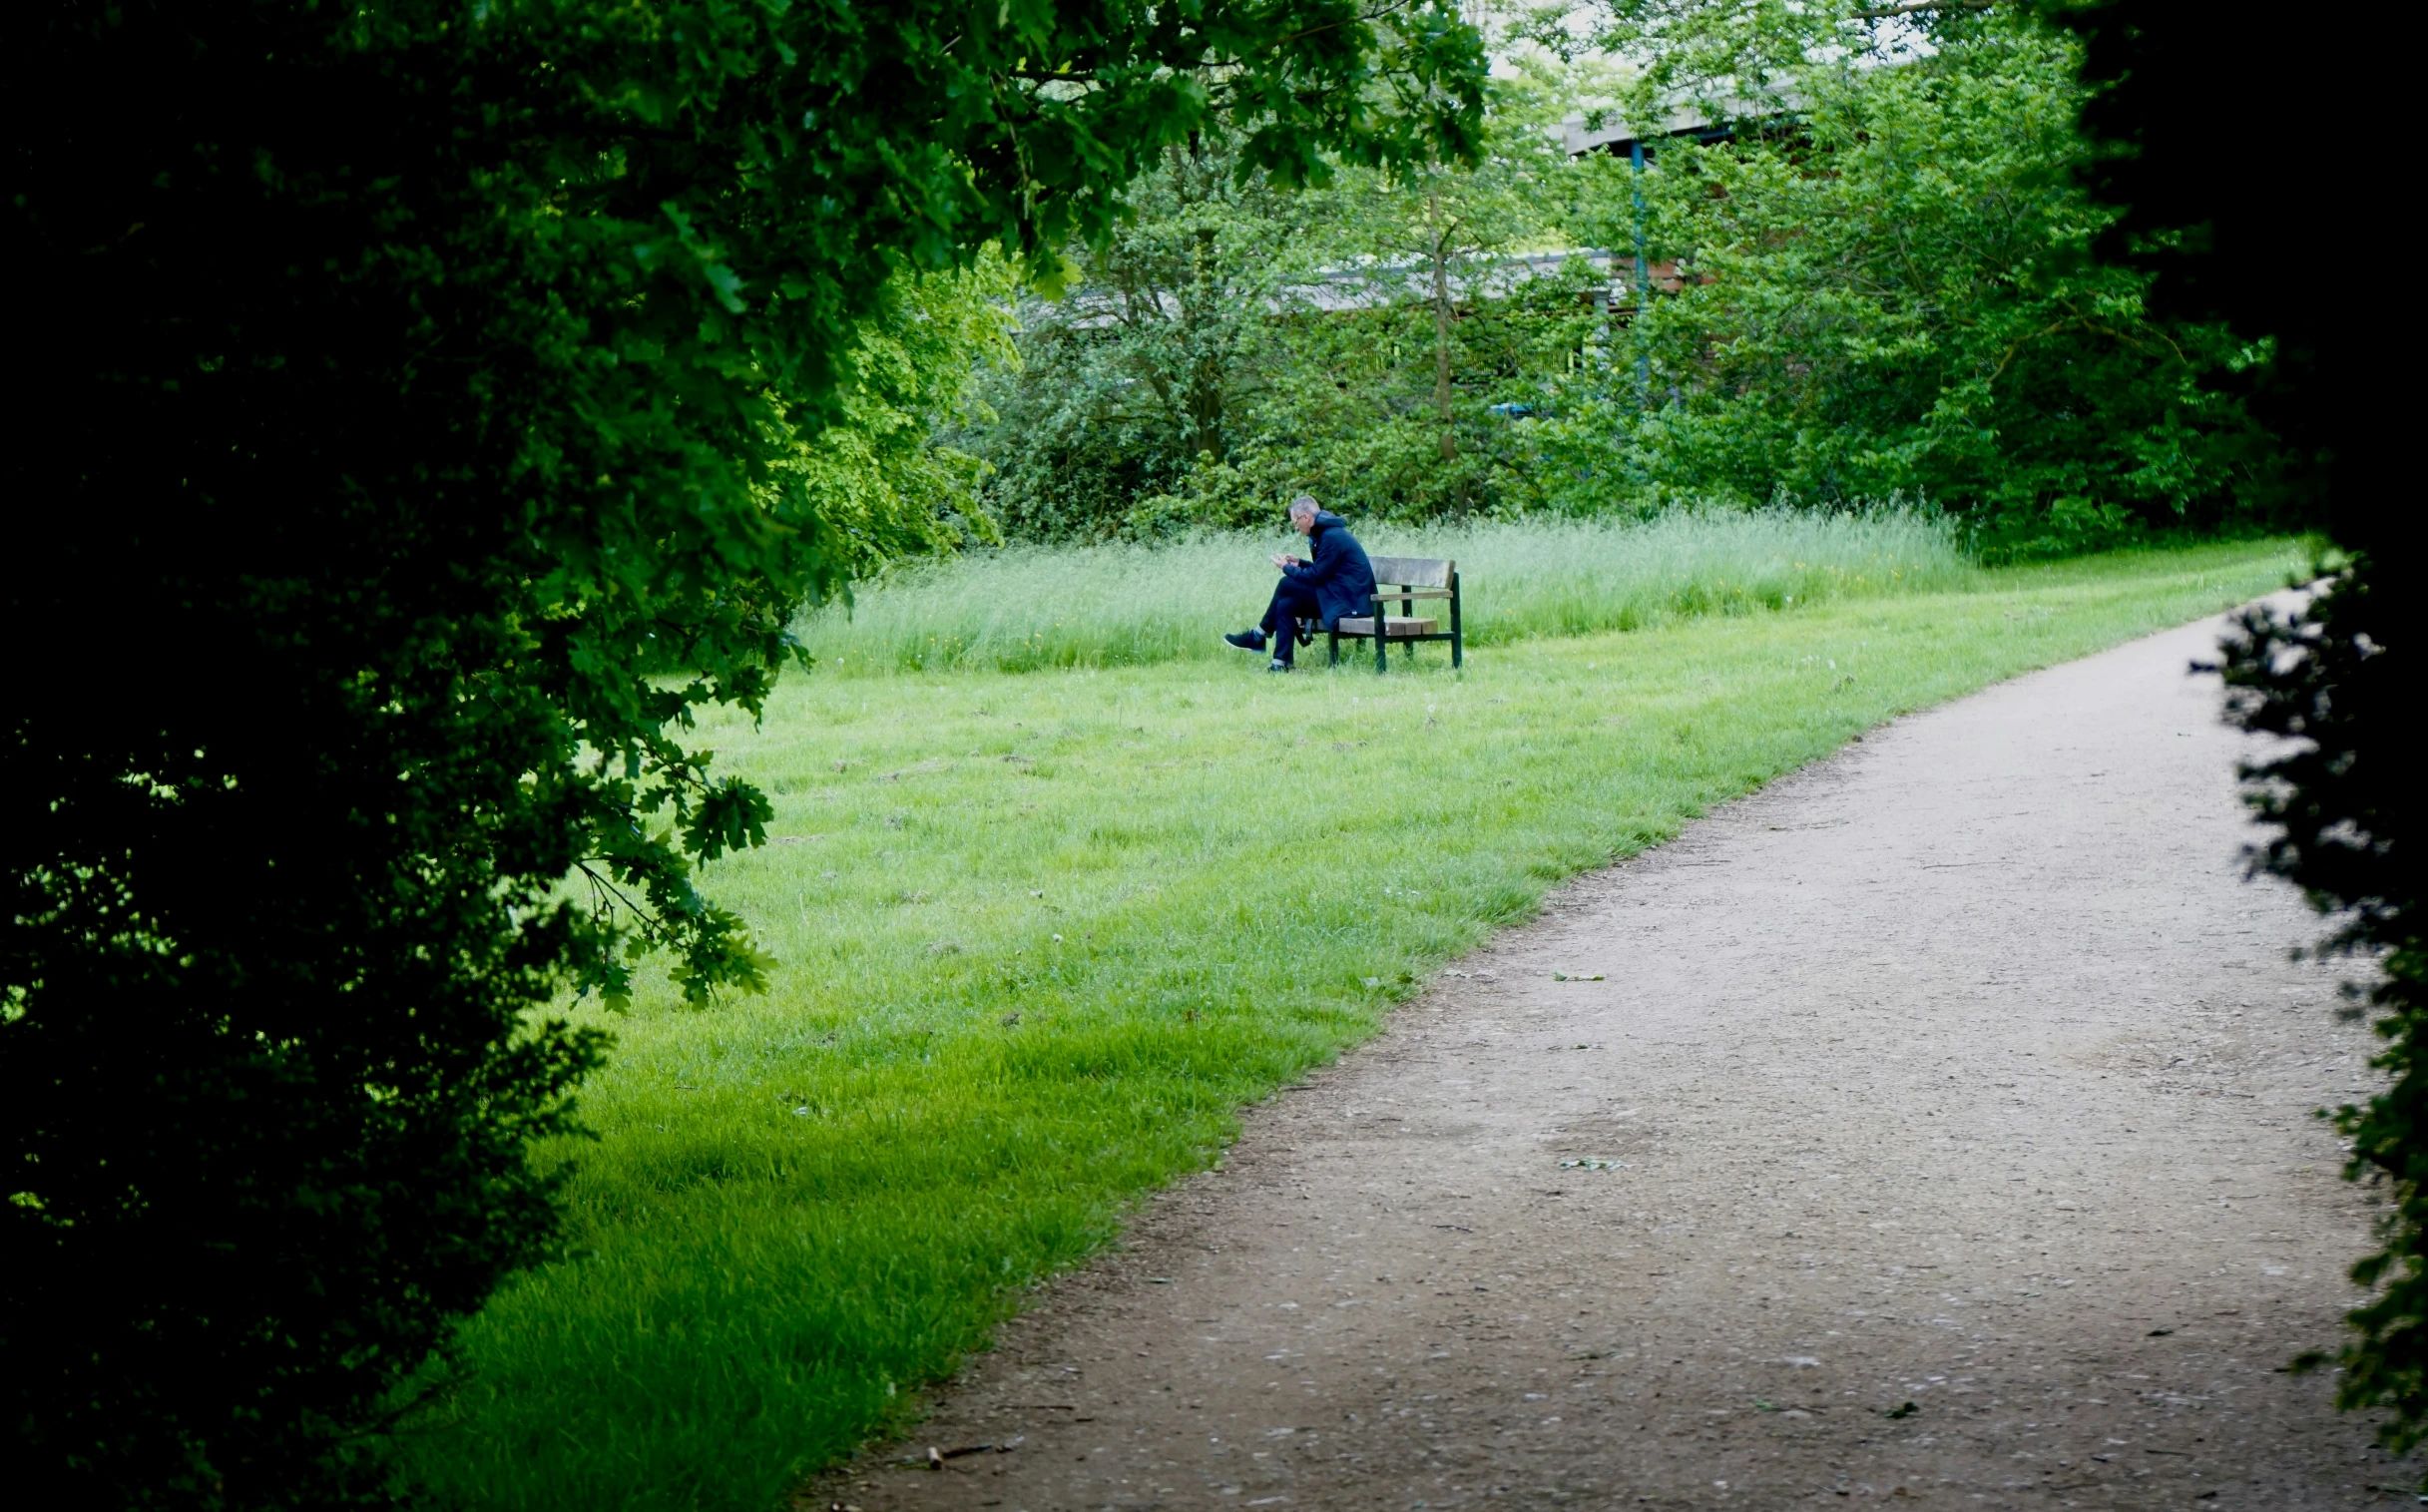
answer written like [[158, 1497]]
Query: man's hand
[[1285, 559]]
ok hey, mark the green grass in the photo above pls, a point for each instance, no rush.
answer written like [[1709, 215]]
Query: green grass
[[804, 1206], [1026, 608]]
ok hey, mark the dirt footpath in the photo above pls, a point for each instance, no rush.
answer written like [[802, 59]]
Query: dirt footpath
[[1937, 1132]]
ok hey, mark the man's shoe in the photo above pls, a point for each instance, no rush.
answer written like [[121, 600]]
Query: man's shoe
[[1246, 639], [1278, 666]]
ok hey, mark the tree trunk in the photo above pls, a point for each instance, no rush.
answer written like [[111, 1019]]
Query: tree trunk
[[1205, 373], [1441, 330]]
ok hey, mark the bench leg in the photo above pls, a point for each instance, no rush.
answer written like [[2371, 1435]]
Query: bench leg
[[1458, 644]]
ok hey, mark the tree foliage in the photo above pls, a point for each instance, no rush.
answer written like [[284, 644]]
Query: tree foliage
[[1231, 345], [437, 403], [2341, 802], [1891, 292], [876, 476], [1876, 280], [1150, 367]]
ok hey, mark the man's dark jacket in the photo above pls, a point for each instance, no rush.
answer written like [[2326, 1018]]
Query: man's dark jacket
[[1341, 576]]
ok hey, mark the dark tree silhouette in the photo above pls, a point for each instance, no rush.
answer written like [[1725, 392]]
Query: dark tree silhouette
[[401, 391], [2245, 145]]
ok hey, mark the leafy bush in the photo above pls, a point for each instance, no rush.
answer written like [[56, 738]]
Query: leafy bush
[[415, 377], [1232, 345], [1895, 293], [1880, 285], [2335, 684], [878, 478]]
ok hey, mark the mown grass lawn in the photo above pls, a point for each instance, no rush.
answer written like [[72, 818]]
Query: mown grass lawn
[[1043, 935]]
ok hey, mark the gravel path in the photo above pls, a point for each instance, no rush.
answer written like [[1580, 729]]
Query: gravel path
[[1937, 1131]]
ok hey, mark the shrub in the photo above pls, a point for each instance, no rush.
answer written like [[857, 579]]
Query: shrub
[[414, 377]]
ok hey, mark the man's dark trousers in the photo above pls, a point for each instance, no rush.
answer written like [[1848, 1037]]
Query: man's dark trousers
[[1292, 601]]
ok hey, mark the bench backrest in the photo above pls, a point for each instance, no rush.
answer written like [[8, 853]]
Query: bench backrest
[[1412, 572]]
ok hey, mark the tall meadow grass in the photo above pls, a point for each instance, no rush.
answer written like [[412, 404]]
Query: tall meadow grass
[[1025, 608]]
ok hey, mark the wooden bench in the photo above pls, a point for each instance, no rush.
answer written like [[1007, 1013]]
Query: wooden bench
[[1409, 579]]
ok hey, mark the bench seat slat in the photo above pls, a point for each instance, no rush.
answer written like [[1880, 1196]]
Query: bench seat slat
[[1394, 627]]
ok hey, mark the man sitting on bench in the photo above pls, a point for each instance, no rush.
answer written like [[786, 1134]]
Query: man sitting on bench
[[1339, 581]]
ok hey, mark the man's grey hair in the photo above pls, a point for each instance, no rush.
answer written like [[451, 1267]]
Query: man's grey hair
[[1305, 504]]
